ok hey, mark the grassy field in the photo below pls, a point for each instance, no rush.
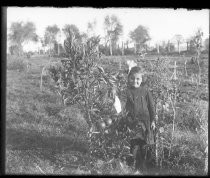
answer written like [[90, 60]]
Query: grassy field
[[38, 139], [43, 137]]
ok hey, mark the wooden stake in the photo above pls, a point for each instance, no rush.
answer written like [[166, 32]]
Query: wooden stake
[[41, 78], [185, 66], [174, 74], [158, 51]]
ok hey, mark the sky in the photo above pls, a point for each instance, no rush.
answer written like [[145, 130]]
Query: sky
[[163, 24]]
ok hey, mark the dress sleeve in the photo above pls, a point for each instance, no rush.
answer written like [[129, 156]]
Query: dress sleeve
[[150, 105]]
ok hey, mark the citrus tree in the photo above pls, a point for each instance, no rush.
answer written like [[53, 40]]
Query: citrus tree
[[82, 82]]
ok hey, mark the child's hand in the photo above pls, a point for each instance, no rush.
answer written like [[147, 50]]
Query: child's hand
[[153, 125]]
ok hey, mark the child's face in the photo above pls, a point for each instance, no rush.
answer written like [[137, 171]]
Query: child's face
[[135, 80]]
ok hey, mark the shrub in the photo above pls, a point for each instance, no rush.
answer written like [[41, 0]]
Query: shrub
[[16, 63], [90, 87], [188, 144], [182, 142], [189, 116], [128, 51]]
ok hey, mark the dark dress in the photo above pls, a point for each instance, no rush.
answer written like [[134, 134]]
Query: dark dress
[[140, 108]]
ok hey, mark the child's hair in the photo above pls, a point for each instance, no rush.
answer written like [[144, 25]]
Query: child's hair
[[135, 70]]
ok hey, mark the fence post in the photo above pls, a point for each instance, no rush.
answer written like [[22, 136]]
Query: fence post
[[185, 67], [174, 74], [41, 78], [158, 50]]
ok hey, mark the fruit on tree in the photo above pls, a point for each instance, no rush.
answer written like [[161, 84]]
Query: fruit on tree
[[106, 131], [102, 124], [108, 121]]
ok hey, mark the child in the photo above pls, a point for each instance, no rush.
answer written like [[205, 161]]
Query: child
[[140, 108]]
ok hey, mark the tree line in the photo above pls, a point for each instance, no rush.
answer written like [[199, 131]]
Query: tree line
[[20, 33]]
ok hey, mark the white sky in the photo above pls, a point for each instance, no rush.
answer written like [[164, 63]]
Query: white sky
[[163, 24]]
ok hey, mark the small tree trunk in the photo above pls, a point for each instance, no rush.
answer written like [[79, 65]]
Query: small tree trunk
[[58, 49], [187, 46], [50, 48], [20, 50], [158, 50], [110, 44], [169, 46], [110, 47], [122, 49], [178, 47], [199, 68], [175, 77]]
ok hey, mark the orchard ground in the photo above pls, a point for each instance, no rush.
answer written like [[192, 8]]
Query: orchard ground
[[39, 142]]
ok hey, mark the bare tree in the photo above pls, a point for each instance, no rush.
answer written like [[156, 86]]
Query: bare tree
[[197, 41], [113, 29], [22, 32], [50, 36]]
